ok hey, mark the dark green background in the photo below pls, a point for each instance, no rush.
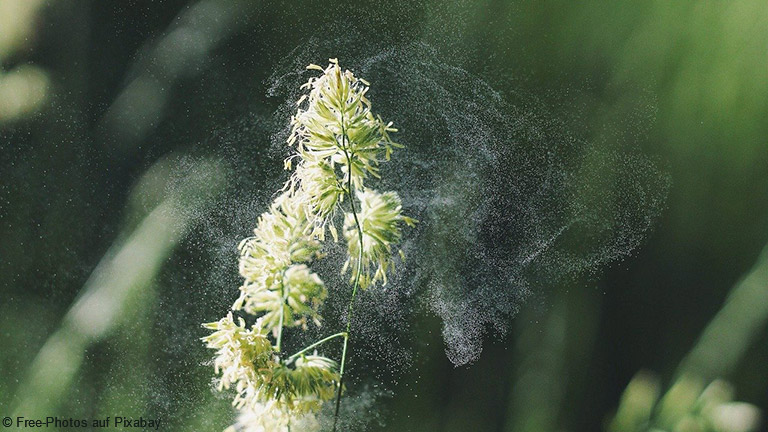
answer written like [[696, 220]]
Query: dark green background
[[685, 82]]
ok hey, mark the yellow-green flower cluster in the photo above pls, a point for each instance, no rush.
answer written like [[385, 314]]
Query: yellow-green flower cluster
[[280, 288], [241, 353], [334, 130], [381, 219], [273, 263], [339, 144], [322, 191], [274, 417]]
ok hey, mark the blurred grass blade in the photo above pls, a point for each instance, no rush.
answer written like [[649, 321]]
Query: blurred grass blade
[[735, 326], [697, 400], [127, 269], [637, 404], [551, 353], [180, 52], [538, 388]]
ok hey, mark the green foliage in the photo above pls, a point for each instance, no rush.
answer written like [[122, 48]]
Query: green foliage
[[688, 406]]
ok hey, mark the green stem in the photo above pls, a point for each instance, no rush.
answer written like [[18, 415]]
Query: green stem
[[320, 342], [282, 313], [356, 283]]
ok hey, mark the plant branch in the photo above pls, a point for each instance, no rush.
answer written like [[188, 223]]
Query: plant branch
[[356, 284], [282, 315], [318, 343]]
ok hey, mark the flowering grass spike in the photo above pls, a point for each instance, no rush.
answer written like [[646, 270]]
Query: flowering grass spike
[[339, 146]]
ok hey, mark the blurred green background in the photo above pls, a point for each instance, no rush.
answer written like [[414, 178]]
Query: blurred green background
[[100, 101]]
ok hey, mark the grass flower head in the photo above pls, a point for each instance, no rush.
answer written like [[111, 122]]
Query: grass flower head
[[339, 145]]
